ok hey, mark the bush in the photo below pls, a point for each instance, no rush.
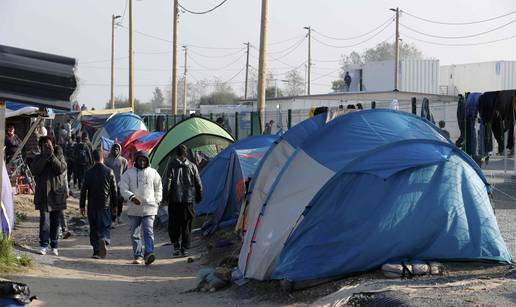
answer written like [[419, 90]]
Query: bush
[[9, 261]]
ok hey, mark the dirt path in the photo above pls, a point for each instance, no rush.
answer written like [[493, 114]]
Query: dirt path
[[74, 279]]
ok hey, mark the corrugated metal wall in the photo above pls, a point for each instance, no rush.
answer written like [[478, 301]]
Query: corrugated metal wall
[[509, 75], [421, 76]]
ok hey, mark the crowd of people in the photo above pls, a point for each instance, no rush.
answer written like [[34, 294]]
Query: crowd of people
[[105, 185]]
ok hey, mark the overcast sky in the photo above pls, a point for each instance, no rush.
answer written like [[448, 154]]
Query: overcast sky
[[82, 29]]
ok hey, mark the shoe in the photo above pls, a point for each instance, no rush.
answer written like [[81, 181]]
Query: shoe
[[95, 256], [43, 250], [176, 253], [118, 220], [55, 252], [102, 249], [138, 260], [184, 253], [150, 259], [67, 235]]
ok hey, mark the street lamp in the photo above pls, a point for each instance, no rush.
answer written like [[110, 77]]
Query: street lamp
[[113, 18]]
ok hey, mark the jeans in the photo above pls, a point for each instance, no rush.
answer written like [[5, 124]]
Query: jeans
[[100, 227], [48, 228], [137, 225], [62, 222]]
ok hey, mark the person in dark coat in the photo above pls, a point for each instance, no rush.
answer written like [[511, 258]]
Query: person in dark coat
[[49, 170], [184, 187], [118, 164], [12, 143], [347, 81], [83, 159], [99, 191]]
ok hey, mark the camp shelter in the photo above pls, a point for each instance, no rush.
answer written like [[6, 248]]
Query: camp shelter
[[145, 142], [371, 187], [93, 120], [202, 136], [118, 127], [224, 180]]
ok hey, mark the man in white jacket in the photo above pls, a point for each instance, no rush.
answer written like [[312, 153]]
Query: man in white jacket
[[141, 188]]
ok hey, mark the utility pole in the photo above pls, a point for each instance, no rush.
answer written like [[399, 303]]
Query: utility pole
[[309, 55], [131, 54], [397, 49], [184, 80], [113, 18], [246, 71], [174, 57], [262, 63]]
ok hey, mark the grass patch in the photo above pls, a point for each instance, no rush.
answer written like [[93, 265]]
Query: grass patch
[[19, 217], [9, 261]]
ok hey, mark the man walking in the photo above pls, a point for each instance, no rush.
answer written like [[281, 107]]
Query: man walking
[[141, 188], [99, 189], [183, 188], [49, 170], [83, 159], [118, 164]]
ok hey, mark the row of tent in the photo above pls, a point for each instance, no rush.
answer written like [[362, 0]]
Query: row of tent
[[334, 197]]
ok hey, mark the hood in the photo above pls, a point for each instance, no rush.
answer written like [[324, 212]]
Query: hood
[[140, 154], [119, 150], [182, 163]]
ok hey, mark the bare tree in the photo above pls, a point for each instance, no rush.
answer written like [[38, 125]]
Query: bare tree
[[295, 83]]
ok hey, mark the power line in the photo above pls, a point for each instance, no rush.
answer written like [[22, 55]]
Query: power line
[[295, 45], [217, 56], [202, 12], [326, 75], [356, 44], [123, 15], [458, 23], [221, 68], [460, 44], [459, 37], [102, 61], [390, 19], [286, 40]]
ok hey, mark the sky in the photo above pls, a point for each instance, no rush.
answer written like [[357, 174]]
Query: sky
[[82, 29]]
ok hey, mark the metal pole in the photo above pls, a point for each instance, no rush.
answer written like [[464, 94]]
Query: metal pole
[[2, 141], [113, 17], [289, 120], [237, 132], [309, 56], [131, 54], [397, 51], [262, 66], [246, 71], [174, 57], [184, 80]]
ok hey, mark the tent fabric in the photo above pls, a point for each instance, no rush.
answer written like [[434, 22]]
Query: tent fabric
[[118, 127], [224, 180], [7, 205], [372, 150], [199, 134], [146, 142]]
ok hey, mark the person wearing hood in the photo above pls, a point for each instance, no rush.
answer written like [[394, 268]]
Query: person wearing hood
[[99, 191], [118, 164], [141, 187], [184, 187]]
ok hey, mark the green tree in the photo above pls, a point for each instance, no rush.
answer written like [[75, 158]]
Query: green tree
[[223, 94], [139, 107], [273, 92], [158, 100]]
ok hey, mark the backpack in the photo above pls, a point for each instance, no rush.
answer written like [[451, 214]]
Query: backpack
[[82, 155]]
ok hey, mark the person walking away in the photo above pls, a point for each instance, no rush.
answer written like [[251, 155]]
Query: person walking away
[[141, 187], [347, 81], [184, 187], [12, 143], [83, 159], [49, 170], [70, 161], [62, 137], [99, 192], [442, 124], [118, 164]]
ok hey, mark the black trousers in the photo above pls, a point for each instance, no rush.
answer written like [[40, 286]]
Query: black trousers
[[180, 218], [80, 171], [119, 207]]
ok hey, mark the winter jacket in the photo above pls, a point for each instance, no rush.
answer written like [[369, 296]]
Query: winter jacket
[[184, 183], [82, 155], [118, 164], [51, 184], [143, 184], [99, 188]]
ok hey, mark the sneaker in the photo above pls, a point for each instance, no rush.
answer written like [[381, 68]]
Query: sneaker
[[150, 259], [102, 249], [176, 253], [138, 260], [43, 250], [95, 256], [55, 252], [118, 220], [184, 253]]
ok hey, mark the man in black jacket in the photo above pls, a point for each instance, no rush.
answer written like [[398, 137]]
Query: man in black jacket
[[183, 188], [99, 188], [49, 170], [83, 158]]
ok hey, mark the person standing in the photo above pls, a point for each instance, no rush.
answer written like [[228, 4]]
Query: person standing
[[83, 159], [49, 170], [118, 164], [68, 128], [70, 161], [12, 143], [184, 187], [99, 190], [141, 187], [442, 125], [347, 81]]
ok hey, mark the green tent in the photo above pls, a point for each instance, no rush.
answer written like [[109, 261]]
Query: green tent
[[202, 137]]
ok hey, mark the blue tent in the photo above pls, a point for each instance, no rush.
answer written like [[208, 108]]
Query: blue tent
[[371, 187], [118, 127], [224, 180]]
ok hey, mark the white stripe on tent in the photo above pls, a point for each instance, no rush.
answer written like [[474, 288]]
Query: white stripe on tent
[[287, 200]]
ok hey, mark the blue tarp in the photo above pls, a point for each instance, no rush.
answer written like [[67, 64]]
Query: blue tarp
[[401, 191], [119, 126], [224, 180]]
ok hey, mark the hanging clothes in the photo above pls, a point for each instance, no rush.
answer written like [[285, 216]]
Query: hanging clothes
[[471, 118], [505, 106], [461, 116], [394, 105], [488, 115], [425, 111]]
